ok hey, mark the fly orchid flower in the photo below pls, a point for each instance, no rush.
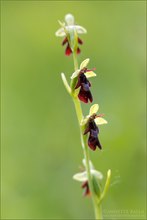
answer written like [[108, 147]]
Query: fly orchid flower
[[83, 177], [91, 122], [70, 31], [82, 74]]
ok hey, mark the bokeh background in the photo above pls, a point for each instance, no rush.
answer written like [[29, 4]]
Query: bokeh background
[[40, 137]]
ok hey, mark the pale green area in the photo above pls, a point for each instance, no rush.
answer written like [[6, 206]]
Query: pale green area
[[40, 137]]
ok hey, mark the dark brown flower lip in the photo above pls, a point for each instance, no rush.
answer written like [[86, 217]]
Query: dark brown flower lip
[[85, 96]]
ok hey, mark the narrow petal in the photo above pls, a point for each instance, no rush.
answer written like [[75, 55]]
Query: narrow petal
[[81, 177], [75, 74], [84, 63], [89, 74], [100, 121], [94, 108]]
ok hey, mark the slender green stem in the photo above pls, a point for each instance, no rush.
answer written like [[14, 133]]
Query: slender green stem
[[73, 81], [75, 60], [97, 206], [98, 212]]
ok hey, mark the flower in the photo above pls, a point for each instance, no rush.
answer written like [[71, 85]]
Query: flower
[[92, 121], [82, 74], [83, 177], [70, 31]]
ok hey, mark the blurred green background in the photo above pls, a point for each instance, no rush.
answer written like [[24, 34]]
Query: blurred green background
[[40, 137]]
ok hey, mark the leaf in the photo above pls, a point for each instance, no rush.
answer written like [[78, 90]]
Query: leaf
[[94, 108], [84, 63], [89, 74], [100, 121], [81, 177]]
